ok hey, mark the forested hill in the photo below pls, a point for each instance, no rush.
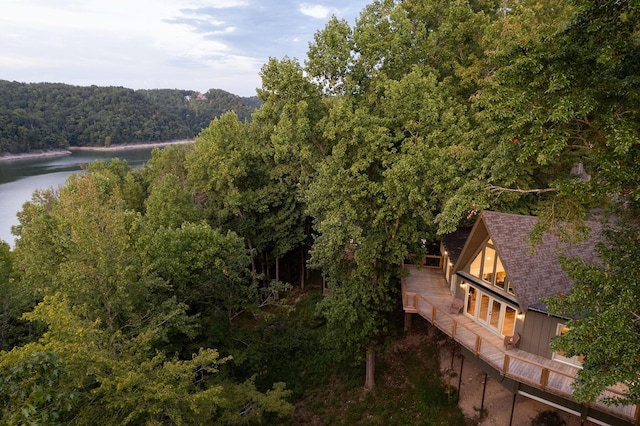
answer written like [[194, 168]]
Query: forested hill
[[53, 115]]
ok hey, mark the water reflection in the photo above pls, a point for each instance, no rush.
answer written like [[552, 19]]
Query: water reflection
[[19, 178]]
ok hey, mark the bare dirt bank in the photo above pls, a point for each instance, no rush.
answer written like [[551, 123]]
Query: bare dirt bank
[[35, 154], [130, 146], [67, 151]]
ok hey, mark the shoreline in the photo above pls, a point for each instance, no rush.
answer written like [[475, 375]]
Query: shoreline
[[130, 146], [59, 152]]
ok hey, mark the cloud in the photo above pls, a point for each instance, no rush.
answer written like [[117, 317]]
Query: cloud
[[315, 10], [186, 44]]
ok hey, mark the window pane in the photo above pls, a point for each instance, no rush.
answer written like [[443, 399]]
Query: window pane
[[476, 265], [484, 307], [489, 262], [509, 322], [501, 274], [471, 301], [495, 313]]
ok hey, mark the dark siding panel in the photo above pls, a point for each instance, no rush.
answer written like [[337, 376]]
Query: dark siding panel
[[537, 332]]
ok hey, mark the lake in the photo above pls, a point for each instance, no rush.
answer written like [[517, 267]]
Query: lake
[[20, 177]]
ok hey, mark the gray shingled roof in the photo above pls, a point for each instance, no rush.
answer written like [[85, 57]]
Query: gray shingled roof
[[539, 274], [454, 242]]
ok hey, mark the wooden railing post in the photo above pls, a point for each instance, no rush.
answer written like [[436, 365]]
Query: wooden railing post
[[478, 344], [454, 328], [544, 378], [505, 364], [433, 313]]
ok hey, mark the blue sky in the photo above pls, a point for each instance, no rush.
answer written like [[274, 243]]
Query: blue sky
[[146, 44]]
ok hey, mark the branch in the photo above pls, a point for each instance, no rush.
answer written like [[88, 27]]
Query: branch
[[597, 131], [522, 191]]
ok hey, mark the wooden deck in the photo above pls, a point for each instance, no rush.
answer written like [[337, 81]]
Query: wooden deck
[[425, 292]]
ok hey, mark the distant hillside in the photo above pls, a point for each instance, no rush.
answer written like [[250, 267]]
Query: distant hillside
[[52, 115]]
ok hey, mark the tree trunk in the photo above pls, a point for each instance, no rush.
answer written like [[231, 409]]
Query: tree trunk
[[253, 260], [370, 369], [302, 267], [277, 268]]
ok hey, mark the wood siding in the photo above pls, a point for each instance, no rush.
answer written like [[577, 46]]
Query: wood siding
[[537, 331]]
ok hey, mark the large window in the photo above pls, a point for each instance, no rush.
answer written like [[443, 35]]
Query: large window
[[488, 266], [561, 356], [490, 311]]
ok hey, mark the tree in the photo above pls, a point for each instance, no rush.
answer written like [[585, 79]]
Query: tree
[[226, 173], [14, 299], [120, 342], [288, 132], [604, 320], [397, 151], [82, 372], [87, 250], [205, 269], [564, 93], [553, 98]]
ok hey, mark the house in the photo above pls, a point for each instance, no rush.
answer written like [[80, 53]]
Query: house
[[488, 297], [503, 279]]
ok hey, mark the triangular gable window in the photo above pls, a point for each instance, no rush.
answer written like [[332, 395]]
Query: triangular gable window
[[488, 266]]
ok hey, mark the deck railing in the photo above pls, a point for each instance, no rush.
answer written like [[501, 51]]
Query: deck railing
[[512, 366]]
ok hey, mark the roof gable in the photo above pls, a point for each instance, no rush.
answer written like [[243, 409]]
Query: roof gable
[[538, 274], [533, 275]]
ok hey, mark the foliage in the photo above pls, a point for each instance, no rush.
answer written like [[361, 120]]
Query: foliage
[[204, 269], [114, 377], [46, 115], [32, 391], [410, 391], [122, 291], [552, 98], [548, 418], [591, 107], [394, 157], [604, 318], [397, 129]]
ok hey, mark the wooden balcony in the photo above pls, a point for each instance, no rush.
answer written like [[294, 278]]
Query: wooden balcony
[[425, 292]]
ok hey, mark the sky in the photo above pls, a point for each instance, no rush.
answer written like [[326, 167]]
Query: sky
[[151, 44]]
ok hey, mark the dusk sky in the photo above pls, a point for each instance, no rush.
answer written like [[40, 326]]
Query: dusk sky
[[146, 44]]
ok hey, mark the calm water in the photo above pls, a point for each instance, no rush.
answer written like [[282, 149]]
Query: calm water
[[19, 178]]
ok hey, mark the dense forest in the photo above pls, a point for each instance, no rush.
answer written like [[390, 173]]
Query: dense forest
[[37, 116], [167, 295]]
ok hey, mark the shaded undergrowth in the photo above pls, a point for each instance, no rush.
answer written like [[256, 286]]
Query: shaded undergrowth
[[285, 345]]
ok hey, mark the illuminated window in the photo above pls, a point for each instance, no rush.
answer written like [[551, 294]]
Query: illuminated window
[[476, 265], [488, 266], [490, 311], [501, 275], [561, 356]]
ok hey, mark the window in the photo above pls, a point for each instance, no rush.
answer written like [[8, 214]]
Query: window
[[509, 321], [471, 301], [488, 266], [501, 275], [561, 356], [476, 265], [490, 311]]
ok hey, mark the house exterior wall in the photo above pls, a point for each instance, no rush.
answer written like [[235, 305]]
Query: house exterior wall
[[447, 269], [537, 331]]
